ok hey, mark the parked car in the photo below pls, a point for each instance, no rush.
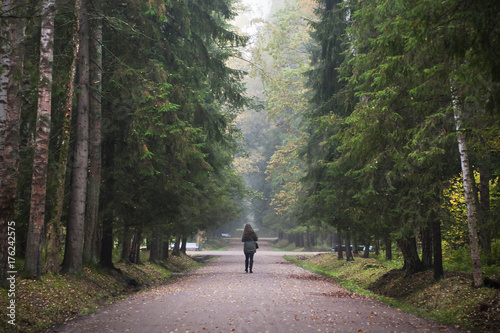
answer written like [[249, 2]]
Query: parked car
[[361, 248], [225, 235], [336, 247]]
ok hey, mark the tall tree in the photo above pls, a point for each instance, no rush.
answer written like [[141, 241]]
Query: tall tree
[[54, 227], [468, 185], [12, 32], [90, 249], [73, 255], [33, 263]]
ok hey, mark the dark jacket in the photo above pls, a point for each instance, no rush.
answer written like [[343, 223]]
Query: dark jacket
[[249, 246]]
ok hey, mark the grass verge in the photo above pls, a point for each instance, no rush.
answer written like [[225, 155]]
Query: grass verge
[[452, 300], [55, 298]]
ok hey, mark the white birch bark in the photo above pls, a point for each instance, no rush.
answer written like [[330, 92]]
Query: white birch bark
[[468, 186]]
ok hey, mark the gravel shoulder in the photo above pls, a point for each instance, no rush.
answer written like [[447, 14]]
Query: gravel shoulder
[[277, 297]]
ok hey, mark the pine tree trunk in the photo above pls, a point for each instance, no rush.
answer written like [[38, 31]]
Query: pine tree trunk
[[388, 246], [91, 225], [437, 247], [366, 253], [412, 263], [468, 185], [33, 263], [73, 256], [307, 243], [107, 244], [135, 249], [12, 33], [154, 254], [176, 250], [348, 251], [183, 245], [165, 245], [106, 257], [427, 245], [126, 243], [54, 229], [340, 253]]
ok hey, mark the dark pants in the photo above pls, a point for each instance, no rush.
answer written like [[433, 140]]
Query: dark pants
[[248, 260]]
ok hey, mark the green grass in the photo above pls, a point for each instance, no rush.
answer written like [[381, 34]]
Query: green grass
[[452, 300], [56, 298]]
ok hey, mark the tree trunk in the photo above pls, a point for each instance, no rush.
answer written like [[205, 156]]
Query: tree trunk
[[308, 244], [33, 263], [438, 251], [468, 185], [348, 250], [126, 243], [94, 184], [183, 246], [377, 246], [340, 252], [154, 254], [412, 263], [165, 245], [176, 250], [388, 246], [73, 256], [107, 242], [484, 205], [366, 253], [135, 249], [12, 33], [427, 246], [54, 229]]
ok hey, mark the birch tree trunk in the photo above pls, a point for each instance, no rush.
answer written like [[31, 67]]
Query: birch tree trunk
[[90, 249], [54, 233], [468, 185], [484, 205], [33, 263], [12, 34], [73, 256]]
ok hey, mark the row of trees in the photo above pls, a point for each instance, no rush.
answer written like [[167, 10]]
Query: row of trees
[[402, 100], [137, 99]]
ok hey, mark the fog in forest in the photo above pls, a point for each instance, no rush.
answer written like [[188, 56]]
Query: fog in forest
[[253, 123]]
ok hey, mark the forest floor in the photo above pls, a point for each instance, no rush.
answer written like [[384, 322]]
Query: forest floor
[[56, 299]]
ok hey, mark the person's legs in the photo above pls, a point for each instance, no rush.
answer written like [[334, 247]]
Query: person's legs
[[251, 261], [247, 256]]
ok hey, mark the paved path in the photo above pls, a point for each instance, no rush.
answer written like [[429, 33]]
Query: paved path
[[277, 297]]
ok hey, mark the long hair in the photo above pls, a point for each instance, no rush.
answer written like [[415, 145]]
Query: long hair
[[248, 231]]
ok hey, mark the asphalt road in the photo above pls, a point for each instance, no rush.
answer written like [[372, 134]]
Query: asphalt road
[[221, 297]]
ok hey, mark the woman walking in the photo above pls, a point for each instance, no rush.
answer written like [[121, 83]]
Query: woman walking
[[249, 248]]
